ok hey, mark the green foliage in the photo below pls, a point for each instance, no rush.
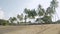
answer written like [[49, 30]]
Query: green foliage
[[47, 19], [30, 13], [47, 15], [12, 19], [26, 10], [57, 22], [3, 22], [44, 15], [54, 3], [20, 17], [50, 11], [41, 11]]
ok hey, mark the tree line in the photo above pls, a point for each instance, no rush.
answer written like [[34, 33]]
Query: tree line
[[44, 16]]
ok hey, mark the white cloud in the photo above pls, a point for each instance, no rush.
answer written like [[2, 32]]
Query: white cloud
[[1, 14]]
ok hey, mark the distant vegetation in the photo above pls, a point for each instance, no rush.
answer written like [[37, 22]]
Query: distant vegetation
[[3, 22], [44, 16]]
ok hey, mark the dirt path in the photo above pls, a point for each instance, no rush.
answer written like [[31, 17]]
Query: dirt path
[[6, 29], [32, 29]]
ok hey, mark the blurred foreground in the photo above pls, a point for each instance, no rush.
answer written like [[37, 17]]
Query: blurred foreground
[[31, 29]]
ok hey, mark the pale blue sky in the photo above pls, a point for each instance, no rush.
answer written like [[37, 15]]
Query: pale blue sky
[[10, 8]]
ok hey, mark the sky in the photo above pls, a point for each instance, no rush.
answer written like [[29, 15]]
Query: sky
[[10, 8]]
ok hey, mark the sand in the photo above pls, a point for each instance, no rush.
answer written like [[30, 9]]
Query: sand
[[31, 29]]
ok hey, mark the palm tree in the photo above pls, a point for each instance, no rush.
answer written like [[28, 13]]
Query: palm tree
[[26, 11], [54, 5], [30, 13], [50, 11], [48, 15], [12, 19], [46, 19], [20, 18], [41, 13]]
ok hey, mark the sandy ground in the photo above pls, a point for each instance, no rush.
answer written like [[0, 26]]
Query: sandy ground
[[31, 29]]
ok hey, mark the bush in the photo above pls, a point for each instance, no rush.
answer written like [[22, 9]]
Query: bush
[[3, 22]]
